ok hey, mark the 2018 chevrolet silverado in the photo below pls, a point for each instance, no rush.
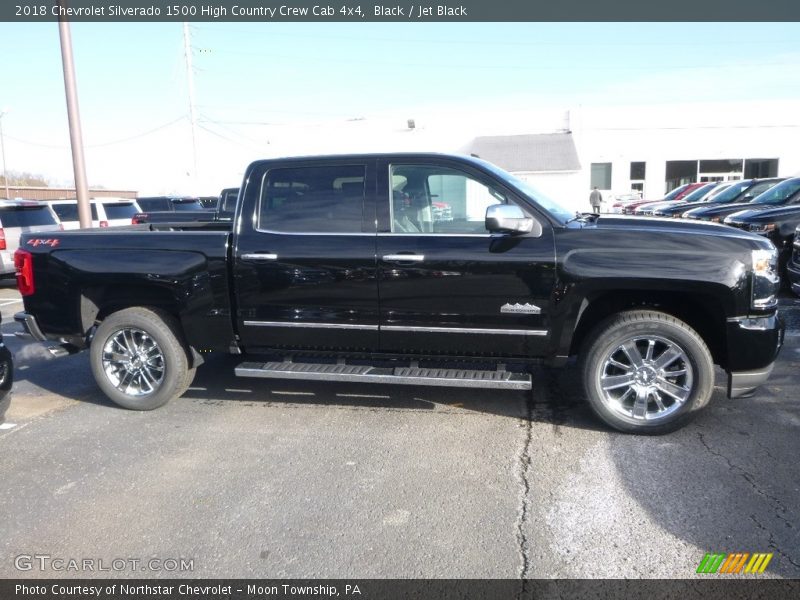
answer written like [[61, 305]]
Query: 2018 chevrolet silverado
[[334, 268]]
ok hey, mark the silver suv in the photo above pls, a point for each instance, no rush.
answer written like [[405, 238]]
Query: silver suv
[[21, 216]]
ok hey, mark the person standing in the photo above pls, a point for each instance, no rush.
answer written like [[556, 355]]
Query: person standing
[[595, 199]]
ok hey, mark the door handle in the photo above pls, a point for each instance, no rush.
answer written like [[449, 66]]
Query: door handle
[[403, 257], [259, 256]]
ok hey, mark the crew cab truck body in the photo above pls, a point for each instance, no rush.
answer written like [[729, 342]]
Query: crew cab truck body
[[335, 269]]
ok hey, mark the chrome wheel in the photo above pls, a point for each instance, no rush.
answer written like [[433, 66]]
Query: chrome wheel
[[646, 378], [133, 362]]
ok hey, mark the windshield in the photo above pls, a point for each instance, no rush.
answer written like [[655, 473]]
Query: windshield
[[758, 188], [698, 194], [555, 208], [731, 193], [780, 193], [677, 191]]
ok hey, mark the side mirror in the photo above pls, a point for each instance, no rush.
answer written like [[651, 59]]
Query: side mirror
[[509, 218]]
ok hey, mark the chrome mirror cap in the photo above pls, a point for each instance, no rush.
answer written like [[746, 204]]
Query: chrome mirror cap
[[509, 218]]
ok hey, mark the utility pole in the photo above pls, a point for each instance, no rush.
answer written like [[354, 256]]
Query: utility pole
[[187, 49], [3, 113], [74, 116]]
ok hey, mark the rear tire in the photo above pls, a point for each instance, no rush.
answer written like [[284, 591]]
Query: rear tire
[[138, 358], [646, 372]]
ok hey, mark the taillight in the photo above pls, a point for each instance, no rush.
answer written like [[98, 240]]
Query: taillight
[[23, 263], [2, 239], [103, 223], [139, 218]]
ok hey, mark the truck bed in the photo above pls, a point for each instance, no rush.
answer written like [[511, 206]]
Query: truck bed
[[178, 266]]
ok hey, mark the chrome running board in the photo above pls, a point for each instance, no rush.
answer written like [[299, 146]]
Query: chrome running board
[[398, 375]]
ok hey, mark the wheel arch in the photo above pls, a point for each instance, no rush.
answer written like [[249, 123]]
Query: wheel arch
[[702, 312], [97, 303]]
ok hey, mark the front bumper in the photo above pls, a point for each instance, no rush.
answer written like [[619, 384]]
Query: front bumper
[[753, 346]]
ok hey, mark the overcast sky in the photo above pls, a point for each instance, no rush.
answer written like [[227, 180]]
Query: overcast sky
[[257, 82]]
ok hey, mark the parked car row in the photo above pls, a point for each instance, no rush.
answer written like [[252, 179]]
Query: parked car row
[[32, 216]]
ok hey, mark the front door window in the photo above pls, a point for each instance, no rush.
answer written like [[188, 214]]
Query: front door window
[[432, 199]]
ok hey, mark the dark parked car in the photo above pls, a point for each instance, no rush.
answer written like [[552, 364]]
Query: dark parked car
[[169, 203], [778, 224], [223, 210], [677, 194], [793, 268], [697, 195], [226, 203], [767, 192], [726, 190], [6, 378], [337, 270], [737, 191]]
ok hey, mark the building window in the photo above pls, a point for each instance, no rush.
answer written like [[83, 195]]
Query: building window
[[760, 167], [680, 172], [637, 171], [601, 176]]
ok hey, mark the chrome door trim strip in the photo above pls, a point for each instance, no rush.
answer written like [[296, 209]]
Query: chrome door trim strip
[[536, 332], [407, 328], [404, 257], [310, 325], [259, 256]]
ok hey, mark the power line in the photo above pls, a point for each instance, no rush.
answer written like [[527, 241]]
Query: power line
[[501, 66], [103, 144]]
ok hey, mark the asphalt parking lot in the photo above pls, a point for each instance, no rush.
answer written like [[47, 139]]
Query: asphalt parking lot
[[247, 478]]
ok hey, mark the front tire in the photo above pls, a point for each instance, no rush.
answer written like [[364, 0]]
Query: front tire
[[646, 372], [138, 360]]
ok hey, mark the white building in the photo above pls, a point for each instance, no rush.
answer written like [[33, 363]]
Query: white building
[[651, 149]]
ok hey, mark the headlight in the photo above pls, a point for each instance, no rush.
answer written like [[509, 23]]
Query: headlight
[[765, 278], [714, 219], [762, 227]]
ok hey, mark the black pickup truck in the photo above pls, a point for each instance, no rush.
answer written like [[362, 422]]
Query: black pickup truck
[[222, 210], [335, 269]]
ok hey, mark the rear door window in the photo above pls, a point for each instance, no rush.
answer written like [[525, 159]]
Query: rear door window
[[327, 199]]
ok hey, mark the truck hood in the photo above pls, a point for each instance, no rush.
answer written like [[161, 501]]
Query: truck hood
[[667, 225]]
